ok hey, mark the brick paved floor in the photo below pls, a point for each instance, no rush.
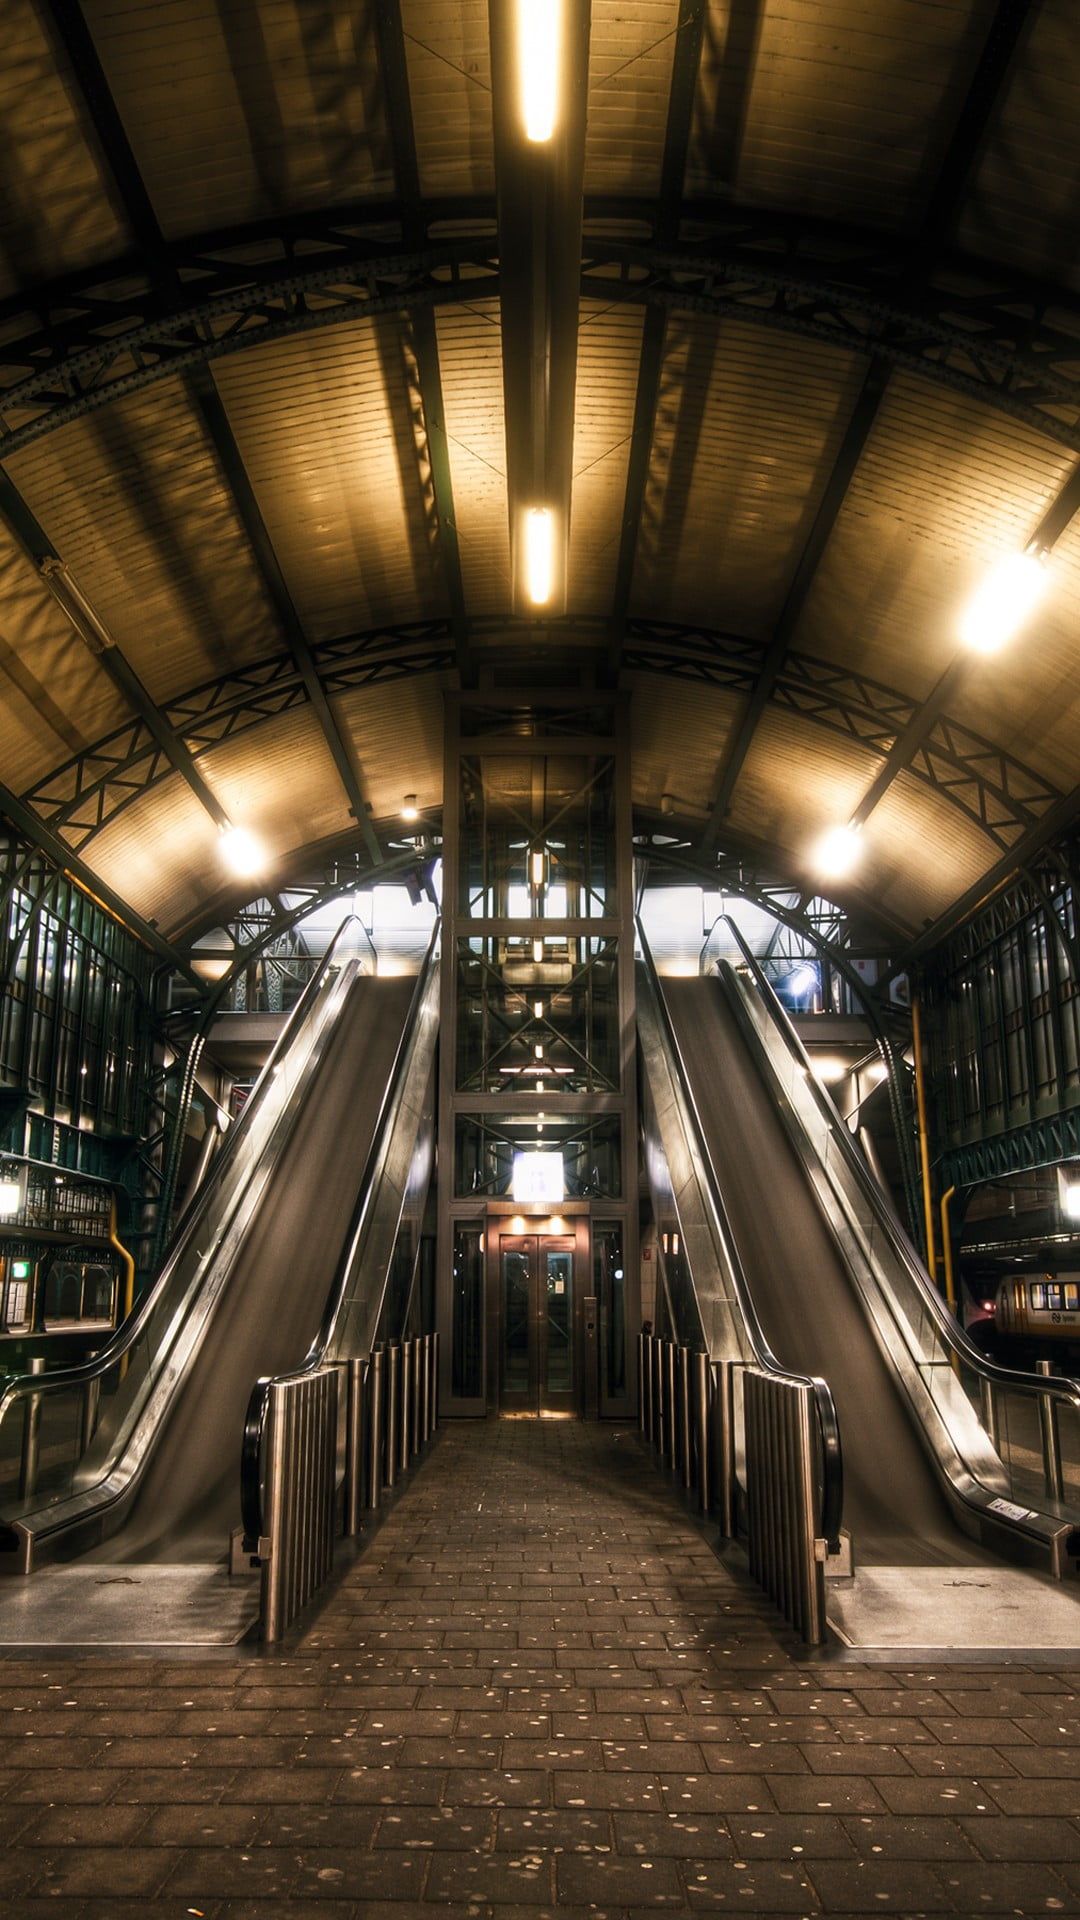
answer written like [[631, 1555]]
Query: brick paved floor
[[538, 1692]]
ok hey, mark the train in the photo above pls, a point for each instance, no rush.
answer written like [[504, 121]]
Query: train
[[1029, 1313]]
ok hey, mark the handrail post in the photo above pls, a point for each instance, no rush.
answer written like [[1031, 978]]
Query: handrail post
[[701, 1430], [1051, 1438], [723, 1443], [393, 1411], [376, 1427], [668, 1445], [406, 1421], [358, 1371], [685, 1428]]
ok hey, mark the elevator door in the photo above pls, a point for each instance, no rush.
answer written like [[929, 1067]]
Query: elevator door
[[536, 1281]]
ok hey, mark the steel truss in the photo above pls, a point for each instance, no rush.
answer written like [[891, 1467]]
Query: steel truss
[[78, 343], [1000, 794], [90, 790], [1039, 1143]]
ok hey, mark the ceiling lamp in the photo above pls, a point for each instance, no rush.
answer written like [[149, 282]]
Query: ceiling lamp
[[836, 854], [243, 852], [1007, 598], [539, 555], [409, 808], [539, 34]]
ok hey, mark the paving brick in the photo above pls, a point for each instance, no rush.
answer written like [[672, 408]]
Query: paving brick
[[682, 1836], [566, 1829], [918, 1837], [1015, 1837], [760, 1886], [991, 1887], [599, 1879], [880, 1886]]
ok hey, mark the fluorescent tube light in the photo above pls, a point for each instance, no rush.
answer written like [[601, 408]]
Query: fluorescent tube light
[[539, 555], [539, 33]]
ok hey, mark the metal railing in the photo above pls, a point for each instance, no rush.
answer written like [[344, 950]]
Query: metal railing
[[705, 1419], [321, 1450], [785, 1550]]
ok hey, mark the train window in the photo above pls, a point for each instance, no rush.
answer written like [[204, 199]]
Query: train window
[[1055, 1296], [1072, 1296], [1038, 1294]]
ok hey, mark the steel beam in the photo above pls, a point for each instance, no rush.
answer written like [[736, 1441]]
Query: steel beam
[[219, 428], [394, 72], [33, 537], [684, 73], [857, 432]]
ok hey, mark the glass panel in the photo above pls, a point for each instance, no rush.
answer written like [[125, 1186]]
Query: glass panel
[[515, 1320], [467, 1350], [538, 837], [559, 1270], [610, 1290], [517, 1026]]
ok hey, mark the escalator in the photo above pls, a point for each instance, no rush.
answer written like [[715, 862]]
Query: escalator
[[894, 1505], [788, 1245], [252, 1284]]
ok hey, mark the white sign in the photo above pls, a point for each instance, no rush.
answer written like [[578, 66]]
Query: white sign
[[539, 1176]]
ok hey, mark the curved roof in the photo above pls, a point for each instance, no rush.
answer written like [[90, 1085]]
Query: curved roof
[[809, 296]]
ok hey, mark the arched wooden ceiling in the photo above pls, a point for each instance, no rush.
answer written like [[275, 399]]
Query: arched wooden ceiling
[[262, 306]]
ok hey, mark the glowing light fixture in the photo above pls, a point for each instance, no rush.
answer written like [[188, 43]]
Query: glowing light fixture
[[1069, 1193], [1007, 598], [538, 951], [836, 854], [409, 808], [539, 33], [537, 864], [11, 1197], [538, 1009], [538, 1176], [243, 852], [539, 555]]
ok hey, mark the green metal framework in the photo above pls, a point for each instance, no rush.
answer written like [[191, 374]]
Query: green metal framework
[[1002, 1000]]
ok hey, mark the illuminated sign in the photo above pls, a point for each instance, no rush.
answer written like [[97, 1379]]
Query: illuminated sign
[[538, 1176]]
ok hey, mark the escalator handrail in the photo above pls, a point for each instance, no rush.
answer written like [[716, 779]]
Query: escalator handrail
[[61, 1379], [952, 1334], [832, 1464], [251, 1449]]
